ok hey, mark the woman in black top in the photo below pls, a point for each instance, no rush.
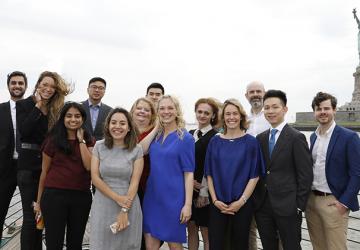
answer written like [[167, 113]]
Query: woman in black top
[[35, 116], [206, 111]]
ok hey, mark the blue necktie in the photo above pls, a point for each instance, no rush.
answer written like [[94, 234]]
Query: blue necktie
[[272, 140]]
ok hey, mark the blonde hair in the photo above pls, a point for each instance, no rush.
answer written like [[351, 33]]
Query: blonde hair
[[152, 108], [244, 123], [179, 119], [56, 102]]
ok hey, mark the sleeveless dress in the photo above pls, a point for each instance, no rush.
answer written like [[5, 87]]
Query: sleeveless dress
[[116, 167], [165, 189]]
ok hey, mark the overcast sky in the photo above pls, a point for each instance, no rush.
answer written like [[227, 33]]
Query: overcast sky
[[194, 48]]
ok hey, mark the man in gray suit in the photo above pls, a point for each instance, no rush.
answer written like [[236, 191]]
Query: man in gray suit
[[280, 196], [96, 111]]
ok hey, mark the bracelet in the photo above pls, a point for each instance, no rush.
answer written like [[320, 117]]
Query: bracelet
[[82, 141], [124, 210], [214, 201], [244, 198]]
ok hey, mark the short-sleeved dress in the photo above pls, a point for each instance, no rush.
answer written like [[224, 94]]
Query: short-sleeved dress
[[165, 189], [116, 168]]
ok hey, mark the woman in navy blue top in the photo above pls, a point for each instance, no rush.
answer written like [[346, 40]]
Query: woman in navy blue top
[[233, 164]]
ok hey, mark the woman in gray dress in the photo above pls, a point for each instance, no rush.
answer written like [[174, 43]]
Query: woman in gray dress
[[116, 167]]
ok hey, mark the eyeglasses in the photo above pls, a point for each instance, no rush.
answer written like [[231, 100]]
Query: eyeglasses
[[100, 88]]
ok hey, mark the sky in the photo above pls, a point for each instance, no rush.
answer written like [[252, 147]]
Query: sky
[[194, 48]]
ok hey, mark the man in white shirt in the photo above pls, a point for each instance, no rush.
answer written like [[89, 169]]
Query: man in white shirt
[[336, 152], [255, 92], [17, 84]]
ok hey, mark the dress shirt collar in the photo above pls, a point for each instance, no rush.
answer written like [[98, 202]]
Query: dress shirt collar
[[328, 132], [206, 129], [92, 105], [12, 104], [280, 127], [252, 114]]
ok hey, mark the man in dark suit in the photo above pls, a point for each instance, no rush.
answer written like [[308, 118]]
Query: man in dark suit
[[96, 111], [336, 153], [281, 195], [17, 84]]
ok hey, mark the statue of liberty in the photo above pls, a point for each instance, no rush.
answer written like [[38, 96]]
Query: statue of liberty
[[358, 23]]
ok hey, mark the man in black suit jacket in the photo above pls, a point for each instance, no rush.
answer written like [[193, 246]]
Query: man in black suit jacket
[[17, 84], [96, 111], [280, 196]]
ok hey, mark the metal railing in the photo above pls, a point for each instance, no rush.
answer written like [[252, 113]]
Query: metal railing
[[14, 217]]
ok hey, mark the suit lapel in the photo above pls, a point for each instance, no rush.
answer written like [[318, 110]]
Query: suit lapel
[[8, 116], [264, 140], [313, 138], [101, 117], [88, 119], [280, 143], [332, 143]]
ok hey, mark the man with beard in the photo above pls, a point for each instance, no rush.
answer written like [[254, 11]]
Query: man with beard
[[9, 141], [255, 92], [96, 111], [336, 152]]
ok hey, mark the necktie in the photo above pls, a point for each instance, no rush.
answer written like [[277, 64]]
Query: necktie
[[199, 134], [272, 140], [94, 112]]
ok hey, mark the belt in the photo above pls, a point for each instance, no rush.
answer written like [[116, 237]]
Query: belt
[[30, 146], [319, 193]]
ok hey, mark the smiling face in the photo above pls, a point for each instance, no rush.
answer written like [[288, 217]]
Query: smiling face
[[254, 94], [118, 127], [96, 91], [46, 88], [142, 113], [204, 113], [274, 111], [232, 117], [167, 112], [325, 113], [73, 119], [17, 87]]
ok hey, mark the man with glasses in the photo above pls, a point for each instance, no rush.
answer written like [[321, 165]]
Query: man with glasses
[[96, 111], [17, 84]]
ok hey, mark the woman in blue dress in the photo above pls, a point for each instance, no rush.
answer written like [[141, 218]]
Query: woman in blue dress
[[233, 164], [168, 194]]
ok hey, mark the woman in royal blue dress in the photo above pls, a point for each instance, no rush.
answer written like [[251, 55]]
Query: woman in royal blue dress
[[168, 194], [232, 166]]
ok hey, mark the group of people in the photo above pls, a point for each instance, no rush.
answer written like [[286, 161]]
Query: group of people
[[152, 180]]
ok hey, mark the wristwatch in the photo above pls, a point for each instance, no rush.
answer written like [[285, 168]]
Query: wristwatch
[[124, 210], [82, 141]]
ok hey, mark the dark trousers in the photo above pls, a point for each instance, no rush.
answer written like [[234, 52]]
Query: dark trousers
[[270, 224], [65, 209], [239, 225], [28, 182], [7, 189]]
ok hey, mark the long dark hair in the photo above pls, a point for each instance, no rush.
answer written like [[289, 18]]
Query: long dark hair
[[58, 133]]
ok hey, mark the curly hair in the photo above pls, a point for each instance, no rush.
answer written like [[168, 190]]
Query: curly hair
[[56, 102]]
